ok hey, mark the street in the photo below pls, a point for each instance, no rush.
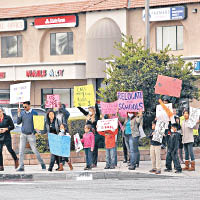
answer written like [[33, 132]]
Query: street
[[142, 188]]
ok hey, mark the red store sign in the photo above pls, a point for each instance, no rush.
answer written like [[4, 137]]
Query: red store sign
[[12, 25], [2, 75], [44, 73], [58, 21]]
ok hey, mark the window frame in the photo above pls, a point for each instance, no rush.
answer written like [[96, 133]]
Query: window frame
[[163, 38]]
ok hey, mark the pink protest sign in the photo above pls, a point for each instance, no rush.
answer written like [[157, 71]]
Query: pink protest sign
[[109, 108], [52, 101], [168, 86], [130, 102]]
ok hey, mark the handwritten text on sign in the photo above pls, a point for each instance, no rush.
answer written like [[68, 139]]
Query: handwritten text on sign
[[107, 124], [52, 101], [130, 101], [20, 92], [84, 96], [109, 108]]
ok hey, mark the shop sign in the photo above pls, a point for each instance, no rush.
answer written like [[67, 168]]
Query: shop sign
[[2, 75], [197, 66], [4, 101], [12, 25], [166, 14], [56, 21], [45, 73]]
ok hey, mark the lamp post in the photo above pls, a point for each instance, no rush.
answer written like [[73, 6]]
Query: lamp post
[[147, 25]]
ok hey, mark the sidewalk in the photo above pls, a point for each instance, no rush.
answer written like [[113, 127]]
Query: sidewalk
[[34, 172]]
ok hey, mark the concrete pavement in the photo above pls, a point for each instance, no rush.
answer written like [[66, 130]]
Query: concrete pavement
[[34, 172]]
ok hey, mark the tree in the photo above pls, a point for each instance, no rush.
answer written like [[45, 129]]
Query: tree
[[136, 69]]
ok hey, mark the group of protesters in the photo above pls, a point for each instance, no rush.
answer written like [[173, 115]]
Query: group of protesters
[[176, 136]]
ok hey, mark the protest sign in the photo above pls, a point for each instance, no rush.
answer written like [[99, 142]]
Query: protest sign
[[38, 122], [194, 117], [77, 143], [52, 101], [159, 131], [109, 108], [84, 96], [107, 124], [130, 102], [168, 86], [20, 92], [59, 145]]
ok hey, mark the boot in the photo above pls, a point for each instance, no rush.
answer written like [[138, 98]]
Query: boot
[[61, 167], [1, 168], [16, 164], [192, 168], [70, 165], [187, 164]]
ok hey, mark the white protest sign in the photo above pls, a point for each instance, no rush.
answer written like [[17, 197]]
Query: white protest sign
[[194, 117], [107, 124], [159, 131], [77, 143], [20, 92]]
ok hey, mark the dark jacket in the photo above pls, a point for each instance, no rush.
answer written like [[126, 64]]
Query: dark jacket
[[154, 143], [97, 116], [63, 116], [173, 141]]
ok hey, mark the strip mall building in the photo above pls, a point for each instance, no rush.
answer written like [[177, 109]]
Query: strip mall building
[[56, 46]]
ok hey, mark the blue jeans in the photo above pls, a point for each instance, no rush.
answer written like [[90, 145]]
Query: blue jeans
[[133, 149], [189, 154], [110, 157], [88, 155]]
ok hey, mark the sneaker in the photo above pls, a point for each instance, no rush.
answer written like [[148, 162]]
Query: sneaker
[[152, 170], [1, 168], [20, 169], [112, 167], [125, 161], [131, 168], [86, 168], [43, 166], [50, 170], [107, 167], [158, 172], [167, 170]]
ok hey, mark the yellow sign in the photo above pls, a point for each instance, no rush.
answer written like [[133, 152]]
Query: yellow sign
[[38, 121], [84, 96]]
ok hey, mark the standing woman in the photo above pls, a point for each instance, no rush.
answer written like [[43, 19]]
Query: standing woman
[[6, 125], [188, 140], [91, 118], [132, 135]]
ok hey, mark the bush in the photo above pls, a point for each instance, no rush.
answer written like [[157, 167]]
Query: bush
[[42, 143]]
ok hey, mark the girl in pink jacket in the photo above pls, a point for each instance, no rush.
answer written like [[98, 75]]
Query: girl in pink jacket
[[88, 141]]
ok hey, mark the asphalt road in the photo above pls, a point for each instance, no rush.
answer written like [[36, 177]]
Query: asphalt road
[[141, 188]]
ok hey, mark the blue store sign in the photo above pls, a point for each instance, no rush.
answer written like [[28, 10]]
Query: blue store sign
[[197, 66], [166, 14]]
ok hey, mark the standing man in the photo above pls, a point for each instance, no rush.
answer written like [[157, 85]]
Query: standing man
[[26, 118]]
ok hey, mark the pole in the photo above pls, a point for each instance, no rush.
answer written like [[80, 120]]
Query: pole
[[147, 25]]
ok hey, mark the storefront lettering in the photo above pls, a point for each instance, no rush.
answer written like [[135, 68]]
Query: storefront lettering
[[2, 75], [44, 73], [56, 73]]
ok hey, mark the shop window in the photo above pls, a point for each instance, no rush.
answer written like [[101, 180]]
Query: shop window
[[61, 43], [169, 35], [66, 95], [11, 46]]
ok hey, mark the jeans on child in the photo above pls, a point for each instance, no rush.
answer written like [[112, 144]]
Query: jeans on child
[[110, 157], [173, 156], [88, 155]]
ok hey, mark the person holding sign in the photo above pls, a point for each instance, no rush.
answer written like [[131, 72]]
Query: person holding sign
[[28, 133], [110, 145], [6, 125], [188, 140], [132, 124], [91, 118]]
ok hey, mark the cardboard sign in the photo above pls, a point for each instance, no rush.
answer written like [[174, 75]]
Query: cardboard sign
[[107, 124], [194, 117], [38, 122], [20, 92], [159, 131], [77, 143], [109, 108], [168, 86], [84, 96], [52, 101], [130, 102], [59, 145]]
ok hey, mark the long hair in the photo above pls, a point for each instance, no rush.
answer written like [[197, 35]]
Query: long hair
[[47, 116]]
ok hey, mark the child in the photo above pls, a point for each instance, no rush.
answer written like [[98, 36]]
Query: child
[[172, 150], [110, 147], [63, 159], [155, 149], [88, 141]]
